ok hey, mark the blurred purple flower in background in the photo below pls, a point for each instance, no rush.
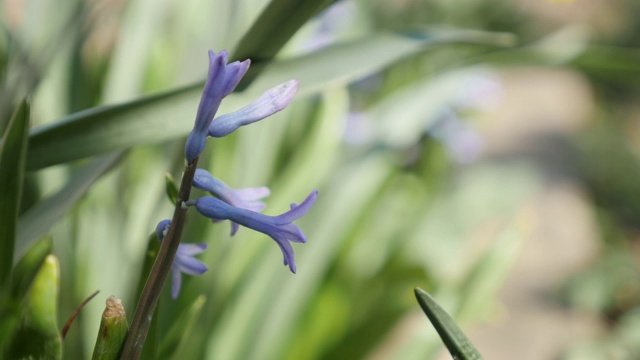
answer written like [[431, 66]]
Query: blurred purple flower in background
[[358, 128], [462, 142], [332, 24], [481, 92]]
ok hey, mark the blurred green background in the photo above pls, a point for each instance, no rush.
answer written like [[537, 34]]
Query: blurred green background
[[486, 151]]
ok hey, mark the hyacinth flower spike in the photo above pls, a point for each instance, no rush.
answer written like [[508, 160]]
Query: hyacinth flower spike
[[269, 103], [221, 81], [280, 228], [184, 262], [246, 198]]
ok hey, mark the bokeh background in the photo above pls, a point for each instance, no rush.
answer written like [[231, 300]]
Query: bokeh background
[[500, 173]]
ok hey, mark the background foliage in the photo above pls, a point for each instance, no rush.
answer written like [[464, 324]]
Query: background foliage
[[404, 122]]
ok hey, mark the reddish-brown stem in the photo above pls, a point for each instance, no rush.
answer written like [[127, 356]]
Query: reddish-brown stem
[[75, 313]]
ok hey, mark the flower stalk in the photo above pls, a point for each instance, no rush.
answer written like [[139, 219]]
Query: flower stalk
[[161, 267]]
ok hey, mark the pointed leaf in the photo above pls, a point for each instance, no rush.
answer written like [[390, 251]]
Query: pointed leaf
[[453, 338], [162, 117], [12, 162], [39, 218]]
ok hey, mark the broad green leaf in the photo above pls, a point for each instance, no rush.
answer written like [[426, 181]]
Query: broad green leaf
[[38, 219], [453, 338], [170, 115], [12, 162]]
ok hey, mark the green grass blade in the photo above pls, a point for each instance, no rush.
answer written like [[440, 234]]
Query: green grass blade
[[38, 219], [181, 329], [453, 338], [12, 162], [280, 20]]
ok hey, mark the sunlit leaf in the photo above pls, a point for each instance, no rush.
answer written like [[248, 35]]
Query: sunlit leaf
[[453, 338]]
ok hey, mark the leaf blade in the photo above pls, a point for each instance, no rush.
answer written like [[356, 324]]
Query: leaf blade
[[158, 118], [36, 221], [12, 163], [279, 21], [454, 339]]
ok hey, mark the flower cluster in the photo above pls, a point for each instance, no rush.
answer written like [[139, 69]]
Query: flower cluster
[[280, 228], [240, 206]]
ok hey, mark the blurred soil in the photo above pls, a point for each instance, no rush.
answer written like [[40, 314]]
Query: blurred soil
[[538, 104]]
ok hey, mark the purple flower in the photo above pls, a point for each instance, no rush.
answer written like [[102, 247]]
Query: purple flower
[[247, 198], [280, 228], [462, 142], [184, 262], [221, 81], [272, 101]]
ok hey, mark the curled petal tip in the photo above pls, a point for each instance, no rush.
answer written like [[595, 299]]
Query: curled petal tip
[[279, 228], [269, 103]]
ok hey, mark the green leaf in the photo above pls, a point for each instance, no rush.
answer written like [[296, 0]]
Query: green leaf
[[12, 162], [39, 336], [162, 117], [8, 326], [270, 32], [453, 338], [39, 218], [112, 332], [181, 329], [107, 128], [26, 269], [171, 188]]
